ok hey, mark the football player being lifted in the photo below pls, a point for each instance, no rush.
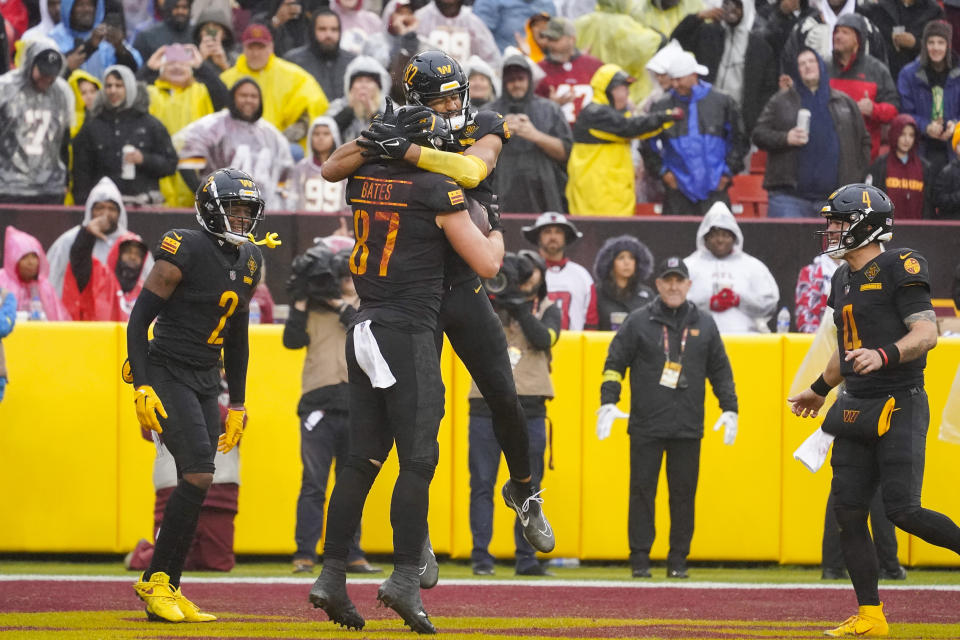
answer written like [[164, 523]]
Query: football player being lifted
[[435, 80], [885, 327], [198, 291]]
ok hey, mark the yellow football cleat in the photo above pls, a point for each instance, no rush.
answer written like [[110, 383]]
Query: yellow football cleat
[[160, 598], [191, 612], [869, 621]]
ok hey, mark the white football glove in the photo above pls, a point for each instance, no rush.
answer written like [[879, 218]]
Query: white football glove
[[606, 414], [727, 420]]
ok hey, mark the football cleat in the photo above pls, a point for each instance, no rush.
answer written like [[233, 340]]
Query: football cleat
[[869, 621], [428, 568], [160, 598], [404, 598], [191, 612], [536, 528], [329, 593]]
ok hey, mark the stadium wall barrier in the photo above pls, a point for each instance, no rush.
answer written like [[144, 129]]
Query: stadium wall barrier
[[77, 474]]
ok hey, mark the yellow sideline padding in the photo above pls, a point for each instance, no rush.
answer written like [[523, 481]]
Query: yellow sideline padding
[[78, 474]]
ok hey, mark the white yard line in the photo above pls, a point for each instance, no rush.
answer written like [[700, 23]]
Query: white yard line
[[534, 584]]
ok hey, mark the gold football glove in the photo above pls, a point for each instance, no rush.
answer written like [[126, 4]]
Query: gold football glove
[[234, 429], [126, 372], [271, 239], [148, 406]]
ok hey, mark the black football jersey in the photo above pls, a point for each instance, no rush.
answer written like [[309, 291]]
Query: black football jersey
[[479, 124], [869, 307], [191, 327], [398, 255]]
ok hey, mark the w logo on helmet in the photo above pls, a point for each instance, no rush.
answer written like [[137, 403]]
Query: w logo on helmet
[[445, 69]]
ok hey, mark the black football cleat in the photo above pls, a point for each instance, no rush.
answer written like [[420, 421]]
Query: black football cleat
[[429, 569], [536, 528], [329, 593], [403, 596]]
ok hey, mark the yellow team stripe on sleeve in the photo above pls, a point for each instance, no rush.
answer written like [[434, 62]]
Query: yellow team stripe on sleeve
[[609, 375]]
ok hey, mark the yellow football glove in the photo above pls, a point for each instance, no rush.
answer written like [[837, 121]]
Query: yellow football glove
[[148, 406], [126, 372], [271, 239], [234, 429]]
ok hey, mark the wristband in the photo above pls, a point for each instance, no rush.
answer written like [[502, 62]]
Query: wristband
[[890, 355], [820, 387]]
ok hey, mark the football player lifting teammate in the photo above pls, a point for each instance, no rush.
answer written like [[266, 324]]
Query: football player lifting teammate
[[885, 327], [468, 155], [403, 218], [198, 291]]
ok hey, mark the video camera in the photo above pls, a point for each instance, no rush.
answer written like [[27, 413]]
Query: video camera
[[317, 274], [504, 288]]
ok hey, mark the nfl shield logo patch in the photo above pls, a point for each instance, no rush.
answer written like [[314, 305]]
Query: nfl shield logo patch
[[233, 275], [846, 289]]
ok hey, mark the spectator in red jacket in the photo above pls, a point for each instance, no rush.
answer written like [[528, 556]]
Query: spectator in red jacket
[[863, 77], [902, 173], [568, 69]]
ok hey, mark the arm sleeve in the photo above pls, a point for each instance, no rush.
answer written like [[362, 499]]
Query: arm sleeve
[[737, 142], [127, 57], [536, 330], [620, 354], [761, 294], [887, 104], [219, 94], [687, 32], [147, 307], [161, 160], [720, 373], [295, 334], [236, 353], [8, 313], [592, 320], [85, 165], [81, 257], [765, 136]]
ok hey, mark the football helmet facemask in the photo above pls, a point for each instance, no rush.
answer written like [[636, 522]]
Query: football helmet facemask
[[865, 214], [433, 74], [229, 205]]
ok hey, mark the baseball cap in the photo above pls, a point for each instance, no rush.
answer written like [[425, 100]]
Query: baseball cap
[[256, 33], [683, 64], [557, 28], [673, 264], [49, 62]]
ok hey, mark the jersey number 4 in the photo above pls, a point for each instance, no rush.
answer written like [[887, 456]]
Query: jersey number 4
[[361, 231]]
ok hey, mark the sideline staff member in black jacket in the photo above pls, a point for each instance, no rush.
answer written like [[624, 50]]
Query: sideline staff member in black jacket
[[671, 349]]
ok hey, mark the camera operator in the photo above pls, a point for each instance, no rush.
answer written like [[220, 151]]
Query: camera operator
[[324, 303], [531, 322]]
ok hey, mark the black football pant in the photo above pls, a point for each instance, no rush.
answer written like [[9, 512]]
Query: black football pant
[[408, 413], [884, 537], [190, 433], [683, 471], [476, 334], [895, 463]]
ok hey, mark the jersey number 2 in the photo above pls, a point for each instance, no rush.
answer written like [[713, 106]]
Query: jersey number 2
[[851, 338], [361, 231], [228, 300]]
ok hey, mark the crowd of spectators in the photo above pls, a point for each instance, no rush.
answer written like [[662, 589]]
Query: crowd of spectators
[[137, 79]]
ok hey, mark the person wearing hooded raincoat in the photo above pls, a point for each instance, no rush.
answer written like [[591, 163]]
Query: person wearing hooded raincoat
[[600, 167], [43, 28], [229, 138], [34, 125], [307, 190], [59, 253], [179, 96], [665, 15], [507, 18], [614, 35], [29, 282], [452, 26], [288, 94], [70, 36], [357, 25], [739, 60], [98, 149], [622, 266], [902, 174], [342, 110], [735, 282], [103, 291], [530, 172]]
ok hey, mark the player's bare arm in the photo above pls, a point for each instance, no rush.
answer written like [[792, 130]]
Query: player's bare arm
[[163, 278], [921, 337], [482, 253], [807, 403], [342, 162]]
